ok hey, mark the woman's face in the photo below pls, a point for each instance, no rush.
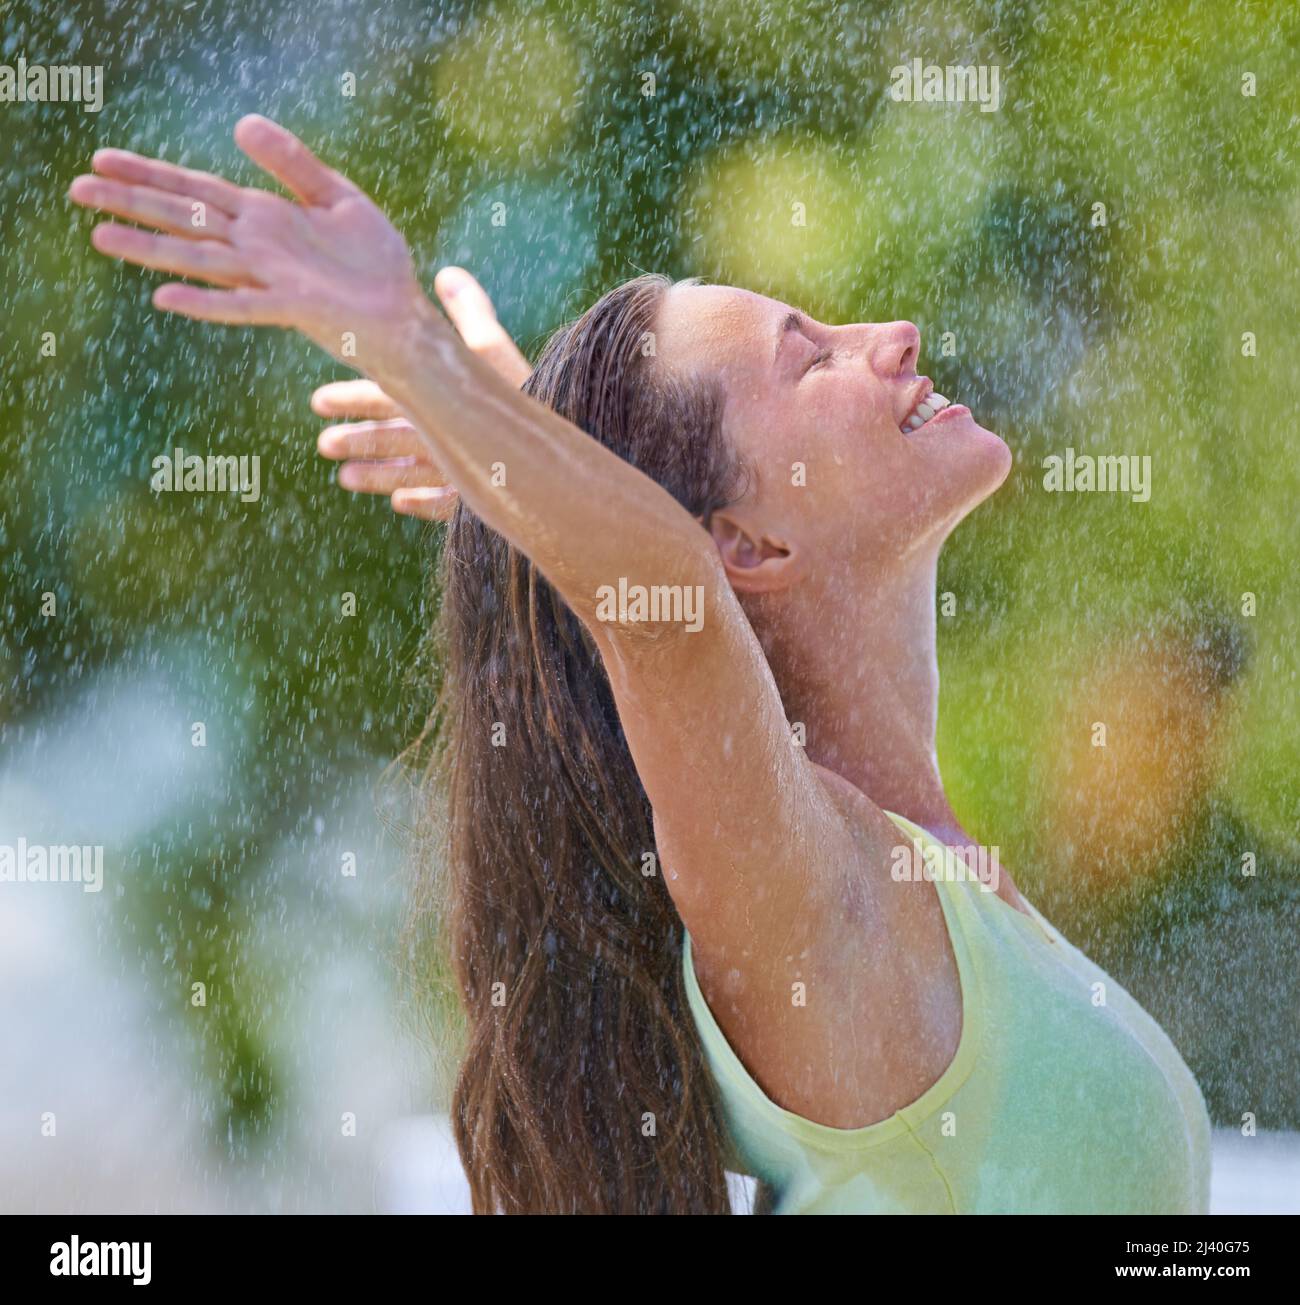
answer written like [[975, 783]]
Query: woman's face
[[825, 418]]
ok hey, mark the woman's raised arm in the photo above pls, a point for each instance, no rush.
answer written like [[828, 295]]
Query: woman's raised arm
[[331, 266]]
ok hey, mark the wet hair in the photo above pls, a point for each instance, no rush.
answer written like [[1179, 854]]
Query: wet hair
[[582, 1087]]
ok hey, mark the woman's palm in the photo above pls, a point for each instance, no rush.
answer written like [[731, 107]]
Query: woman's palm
[[330, 265]]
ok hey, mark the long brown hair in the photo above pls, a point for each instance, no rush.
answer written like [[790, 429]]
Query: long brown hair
[[582, 1087]]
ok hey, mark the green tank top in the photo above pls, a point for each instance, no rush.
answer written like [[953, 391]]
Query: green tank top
[[1064, 1094]]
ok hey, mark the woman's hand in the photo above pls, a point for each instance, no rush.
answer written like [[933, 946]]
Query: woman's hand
[[330, 265], [382, 454]]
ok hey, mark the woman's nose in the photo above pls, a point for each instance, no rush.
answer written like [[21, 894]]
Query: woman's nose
[[898, 345]]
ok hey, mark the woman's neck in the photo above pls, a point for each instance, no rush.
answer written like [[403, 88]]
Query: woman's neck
[[857, 667]]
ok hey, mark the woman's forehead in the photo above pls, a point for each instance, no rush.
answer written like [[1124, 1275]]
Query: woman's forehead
[[714, 320]]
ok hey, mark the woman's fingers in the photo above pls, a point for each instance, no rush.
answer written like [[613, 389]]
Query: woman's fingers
[[209, 260], [278, 151], [375, 439], [353, 399], [382, 457], [472, 314], [383, 477], [387, 457], [178, 214], [242, 307], [135, 169], [427, 504]]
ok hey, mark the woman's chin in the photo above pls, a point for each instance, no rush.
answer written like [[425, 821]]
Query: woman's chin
[[990, 465], [970, 469], [998, 452]]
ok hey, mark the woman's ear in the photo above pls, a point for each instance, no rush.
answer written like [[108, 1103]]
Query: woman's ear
[[757, 561]]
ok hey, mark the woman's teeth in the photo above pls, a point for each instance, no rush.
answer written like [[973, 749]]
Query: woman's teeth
[[932, 404]]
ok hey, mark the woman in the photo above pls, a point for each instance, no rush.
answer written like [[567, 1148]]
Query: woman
[[689, 724]]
